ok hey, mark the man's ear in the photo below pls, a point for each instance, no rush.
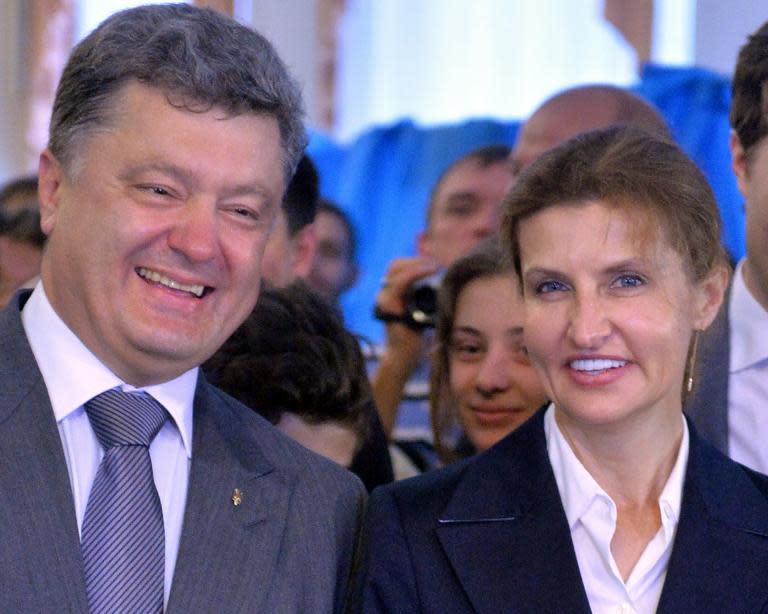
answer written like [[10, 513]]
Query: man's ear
[[50, 179], [710, 294], [739, 162], [304, 246]]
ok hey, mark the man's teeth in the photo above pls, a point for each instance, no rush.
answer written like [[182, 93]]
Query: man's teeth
[[596, 364], [197, 290]]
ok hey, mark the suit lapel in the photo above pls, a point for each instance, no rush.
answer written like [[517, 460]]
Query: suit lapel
[[720, 552], [33, 475], [230, 540], [506, 534]]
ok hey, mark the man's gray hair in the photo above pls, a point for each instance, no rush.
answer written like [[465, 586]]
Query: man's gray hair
[[197, 57]]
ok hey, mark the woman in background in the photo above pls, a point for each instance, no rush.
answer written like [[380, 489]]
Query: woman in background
[[607, 500], [483, 385]]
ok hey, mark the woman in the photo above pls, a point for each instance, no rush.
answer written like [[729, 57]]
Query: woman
[[482, 383], [607, 499]]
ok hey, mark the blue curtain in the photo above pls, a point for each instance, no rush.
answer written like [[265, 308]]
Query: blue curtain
[[383, 178]]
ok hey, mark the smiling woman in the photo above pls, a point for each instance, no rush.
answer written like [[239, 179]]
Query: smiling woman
[[482, 384], [608, 499]]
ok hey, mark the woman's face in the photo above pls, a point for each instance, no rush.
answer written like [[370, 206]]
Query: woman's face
[[610, 311], [491, 378]]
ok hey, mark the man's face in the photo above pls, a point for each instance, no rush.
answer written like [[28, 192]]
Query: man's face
[[333, 270], [288, 258], [465, 210], [752, 176], [156, 237]]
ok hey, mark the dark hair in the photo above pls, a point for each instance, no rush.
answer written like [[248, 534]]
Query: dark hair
[[301, 196], [623, 167], [292, 354], [199, 58], [749, 89], [326, 206], [482, 157], [486, 261], [20, 211]]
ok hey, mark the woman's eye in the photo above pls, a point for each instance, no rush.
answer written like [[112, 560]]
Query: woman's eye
[[551, 285], [466, 351], [629, 281]]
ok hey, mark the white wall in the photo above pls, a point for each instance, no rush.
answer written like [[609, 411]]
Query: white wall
[[722, 28], [291, 26]]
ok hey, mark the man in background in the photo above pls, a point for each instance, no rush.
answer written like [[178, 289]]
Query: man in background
[[729, 396], [21, 240], [464, 208], [173, 135], [291, 246], [334, 269]]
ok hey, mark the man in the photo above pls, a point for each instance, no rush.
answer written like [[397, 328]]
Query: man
[[173, 134], [334, 269], [730, 378], [580, 109], [21, 240], [291, 247], [464, 209]]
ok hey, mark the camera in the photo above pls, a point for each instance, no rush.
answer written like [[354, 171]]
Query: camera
[[421, 300]]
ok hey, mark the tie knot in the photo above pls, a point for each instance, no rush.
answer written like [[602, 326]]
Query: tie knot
[[125, 418]]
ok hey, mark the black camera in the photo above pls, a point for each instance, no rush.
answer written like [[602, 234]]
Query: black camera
[[421, 300]]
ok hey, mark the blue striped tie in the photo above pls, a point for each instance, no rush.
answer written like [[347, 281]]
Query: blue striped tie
[[123, 541]]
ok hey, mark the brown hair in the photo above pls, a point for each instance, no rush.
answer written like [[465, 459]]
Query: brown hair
[[485, 261], [749, 89], [623, 167]]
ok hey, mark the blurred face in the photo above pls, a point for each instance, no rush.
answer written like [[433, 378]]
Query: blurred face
[[491, 378], [277, 266], [19, 262], [754, 186], [466, 209], [155, 242], [610, 310], [333, 270]]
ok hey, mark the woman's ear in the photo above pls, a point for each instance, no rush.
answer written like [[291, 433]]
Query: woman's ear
[[710, 293]]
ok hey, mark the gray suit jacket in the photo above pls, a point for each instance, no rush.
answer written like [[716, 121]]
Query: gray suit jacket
[[707, 406], [288, 547]]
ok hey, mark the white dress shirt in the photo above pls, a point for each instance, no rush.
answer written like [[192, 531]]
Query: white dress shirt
[[73, 375], [748, 377], [591, 515]]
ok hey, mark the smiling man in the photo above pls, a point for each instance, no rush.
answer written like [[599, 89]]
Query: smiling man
[[173, 135]]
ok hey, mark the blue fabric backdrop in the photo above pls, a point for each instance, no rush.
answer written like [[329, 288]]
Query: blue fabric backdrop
[[383, 178]]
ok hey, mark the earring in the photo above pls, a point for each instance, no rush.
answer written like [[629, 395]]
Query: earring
[[692, 361]]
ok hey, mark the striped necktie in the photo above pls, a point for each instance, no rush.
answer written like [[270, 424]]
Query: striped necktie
[[123, 542]]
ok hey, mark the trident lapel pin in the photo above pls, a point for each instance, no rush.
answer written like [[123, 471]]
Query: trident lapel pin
[[237, 497]]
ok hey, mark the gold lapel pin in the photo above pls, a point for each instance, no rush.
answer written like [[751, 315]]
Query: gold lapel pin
[[237, 497]]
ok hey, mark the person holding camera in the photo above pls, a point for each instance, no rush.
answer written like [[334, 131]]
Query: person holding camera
[[464, 209]]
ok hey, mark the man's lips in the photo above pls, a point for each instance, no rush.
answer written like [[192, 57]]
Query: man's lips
[[197, 290]]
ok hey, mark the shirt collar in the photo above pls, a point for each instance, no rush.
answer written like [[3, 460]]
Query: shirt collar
[[748, 325], [578, 489], [73, 375]]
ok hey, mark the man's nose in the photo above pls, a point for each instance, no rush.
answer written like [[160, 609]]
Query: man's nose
[[195, 233]]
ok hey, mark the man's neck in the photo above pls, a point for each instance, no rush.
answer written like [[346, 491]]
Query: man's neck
[[756, 287]]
